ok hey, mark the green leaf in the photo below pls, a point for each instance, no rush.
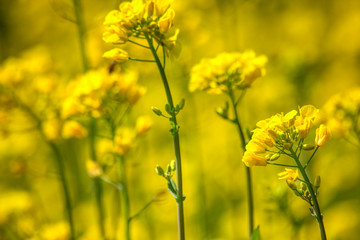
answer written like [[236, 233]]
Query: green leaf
[[256, 234]]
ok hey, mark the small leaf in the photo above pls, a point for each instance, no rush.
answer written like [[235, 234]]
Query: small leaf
[[256, 234]]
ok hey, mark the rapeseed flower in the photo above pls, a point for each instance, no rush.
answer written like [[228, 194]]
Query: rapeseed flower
[[135, 19], [278, 134], [227, 70]]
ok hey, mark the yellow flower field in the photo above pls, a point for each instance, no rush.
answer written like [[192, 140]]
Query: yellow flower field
[[169, 119]]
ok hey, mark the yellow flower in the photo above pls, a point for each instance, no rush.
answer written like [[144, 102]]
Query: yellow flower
[[289, 174], [123, 142], [227, 70], [322, 135], [115, 34], [56, 231], [166, 21], [303, 126], [51, 128], [143, 124], [93, 169], [117, 55], [73, 129], [251, 159], [308, 111]]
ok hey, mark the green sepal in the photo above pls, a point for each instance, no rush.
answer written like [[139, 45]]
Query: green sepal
[[256, 234], [180, 106], [168, 109]]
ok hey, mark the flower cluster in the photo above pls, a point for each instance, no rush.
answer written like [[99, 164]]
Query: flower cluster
[[279, 133], [227, 70], [95, 93], [137, 19], [342, 113]]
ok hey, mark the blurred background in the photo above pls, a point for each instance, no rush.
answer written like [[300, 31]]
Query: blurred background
[[313, 50]]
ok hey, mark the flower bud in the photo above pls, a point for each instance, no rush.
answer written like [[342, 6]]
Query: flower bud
[[322, 135], [317, 182], [156, 111], [274, 157], [308, 147], [173, 165], [159, 171]]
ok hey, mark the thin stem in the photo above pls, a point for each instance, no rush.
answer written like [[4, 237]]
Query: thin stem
[[282, 165], [61, 167], [81, 31], [316, 206], [139, 44], [250, 199], [180, 207], [140, 60], [311, 157], [97, 181], [59, 162], [142, 209], [124, 198]]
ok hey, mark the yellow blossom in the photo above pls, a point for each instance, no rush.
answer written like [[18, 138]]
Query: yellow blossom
[[72, 129], [165, 22], [227, 70], [289, 174], [143, 124], [93, 169], [117, 55], [251, 159], [123, 142], [322, 135], [51, 128], [56, 231]]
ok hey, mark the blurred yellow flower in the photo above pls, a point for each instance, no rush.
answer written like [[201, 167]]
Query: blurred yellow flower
[[227, 70], [143, 124], [93, 169], [322, 135], [52, 128], [56, 231], [124, 142], [73, 129]]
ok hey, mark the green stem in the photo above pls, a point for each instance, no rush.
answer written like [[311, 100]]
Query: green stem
[[316, 206], [139, 44], [311, 157], [97, 181], [61, 167], [81, 31], [59, 162], [125, 203], [140, 60], [282, 165], [250, 199], [180, 207]]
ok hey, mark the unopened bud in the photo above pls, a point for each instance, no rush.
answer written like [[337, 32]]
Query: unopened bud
[[303, 186], [317, 182], [156, 111], [268, 156], [159, 171], [168, 169], [274, 157], [292, 185], [308, 147], [173, 165]]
